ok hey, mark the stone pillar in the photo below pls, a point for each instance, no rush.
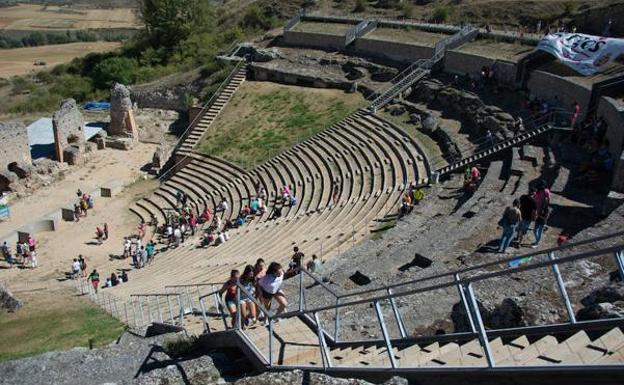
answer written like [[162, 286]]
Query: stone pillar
[[68, 126], [122, 116]]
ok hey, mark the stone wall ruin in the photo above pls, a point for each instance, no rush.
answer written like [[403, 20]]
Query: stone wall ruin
[[15, 159], [69, 136], [122, 115]]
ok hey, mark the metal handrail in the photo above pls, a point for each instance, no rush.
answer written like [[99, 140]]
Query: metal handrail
[[488, 264], [462, 281], [529, 127], [199, 116]]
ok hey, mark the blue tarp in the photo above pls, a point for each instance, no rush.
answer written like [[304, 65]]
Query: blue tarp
[[97, 106]]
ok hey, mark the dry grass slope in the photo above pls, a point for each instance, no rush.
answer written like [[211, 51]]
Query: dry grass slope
[[265, 118]]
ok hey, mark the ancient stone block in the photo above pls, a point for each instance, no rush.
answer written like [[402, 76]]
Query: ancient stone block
[[14, 148], [161, 155], [68, 125], [73, 155], [122, 116]]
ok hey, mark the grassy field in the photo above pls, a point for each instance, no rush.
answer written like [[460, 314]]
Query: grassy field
[[39, 17], [51, 321], [20, 61], [265, 118]]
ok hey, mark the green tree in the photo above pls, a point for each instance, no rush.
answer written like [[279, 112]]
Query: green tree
[[169, 21], [114, 69]]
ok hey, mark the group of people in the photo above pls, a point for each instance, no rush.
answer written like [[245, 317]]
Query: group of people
[[79, 268], [142, 255], [533, 207], [262, 284], [25, 254], [84, 204], [413, 196], [111, 281]]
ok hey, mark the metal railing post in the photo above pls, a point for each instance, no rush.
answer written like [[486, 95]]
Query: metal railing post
[[126, 313], [462, 299], [301, 291], [270, 340], [481, 328], [142, 312], [188, 297], [239, 317], [386, 337], [181, 306], [199, 292], [322, 344], [116, 309], [562, 289], [134, 314], [160, 317], [170, 308], [219, 307], [203, 311], [619, 261], [149, 309], [397, 315], [336, 320]]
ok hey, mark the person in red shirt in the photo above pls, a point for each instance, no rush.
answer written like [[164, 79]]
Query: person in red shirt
[[229, 288]]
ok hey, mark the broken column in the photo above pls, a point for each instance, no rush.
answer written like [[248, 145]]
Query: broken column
[[122, 122], [69, 137]]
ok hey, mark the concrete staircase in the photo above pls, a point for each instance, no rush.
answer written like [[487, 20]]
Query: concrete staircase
[[545, 125], [212, 109], [421, 68]]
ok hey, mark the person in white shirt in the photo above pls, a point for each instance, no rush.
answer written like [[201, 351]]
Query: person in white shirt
[[127, 245], [270, 286], [221, 238], [177, 235], [75, 268]]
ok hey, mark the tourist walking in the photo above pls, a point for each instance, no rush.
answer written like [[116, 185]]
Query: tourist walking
[[230, 288], [509, 222], [94, 277], [248, 306], [270, 288], [540, 224], [105, 230], [528, 212]]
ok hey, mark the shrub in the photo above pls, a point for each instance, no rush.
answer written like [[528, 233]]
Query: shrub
[[408, 10], [360, 6], [115, 69], [255, 18], [440, 14]]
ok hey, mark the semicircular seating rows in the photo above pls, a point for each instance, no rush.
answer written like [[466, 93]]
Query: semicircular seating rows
[[371, 160]]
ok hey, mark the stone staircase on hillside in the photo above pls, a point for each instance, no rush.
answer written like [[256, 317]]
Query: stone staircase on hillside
[[542, 126], [421, 68], [212, 109]]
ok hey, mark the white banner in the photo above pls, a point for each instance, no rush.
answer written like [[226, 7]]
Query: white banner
[[586, 54]]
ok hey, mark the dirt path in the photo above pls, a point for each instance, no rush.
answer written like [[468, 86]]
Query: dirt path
[[57, 249]]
